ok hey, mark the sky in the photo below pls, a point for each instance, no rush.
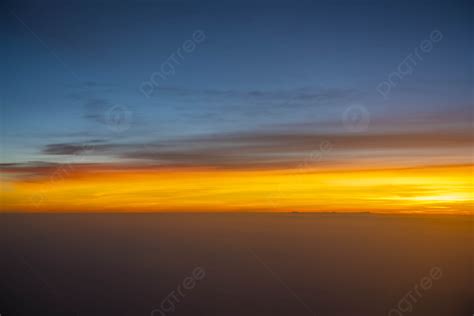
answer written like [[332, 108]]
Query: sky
[[236, 106]]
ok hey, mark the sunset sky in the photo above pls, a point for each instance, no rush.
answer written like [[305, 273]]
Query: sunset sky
[[236, 106]]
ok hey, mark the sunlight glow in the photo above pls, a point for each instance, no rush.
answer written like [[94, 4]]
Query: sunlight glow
[[397, 190]]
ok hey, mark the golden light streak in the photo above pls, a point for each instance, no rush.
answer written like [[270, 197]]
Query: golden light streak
[[436, 189]]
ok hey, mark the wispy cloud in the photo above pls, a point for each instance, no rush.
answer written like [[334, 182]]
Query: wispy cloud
[[281, 149]]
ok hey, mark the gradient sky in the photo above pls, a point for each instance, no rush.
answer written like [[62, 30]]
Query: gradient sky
[[276, 107]]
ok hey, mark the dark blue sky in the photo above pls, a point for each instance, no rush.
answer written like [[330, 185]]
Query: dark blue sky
[[72, 72]]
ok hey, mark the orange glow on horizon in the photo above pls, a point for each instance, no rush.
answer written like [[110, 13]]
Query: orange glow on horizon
[[426, 190]]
